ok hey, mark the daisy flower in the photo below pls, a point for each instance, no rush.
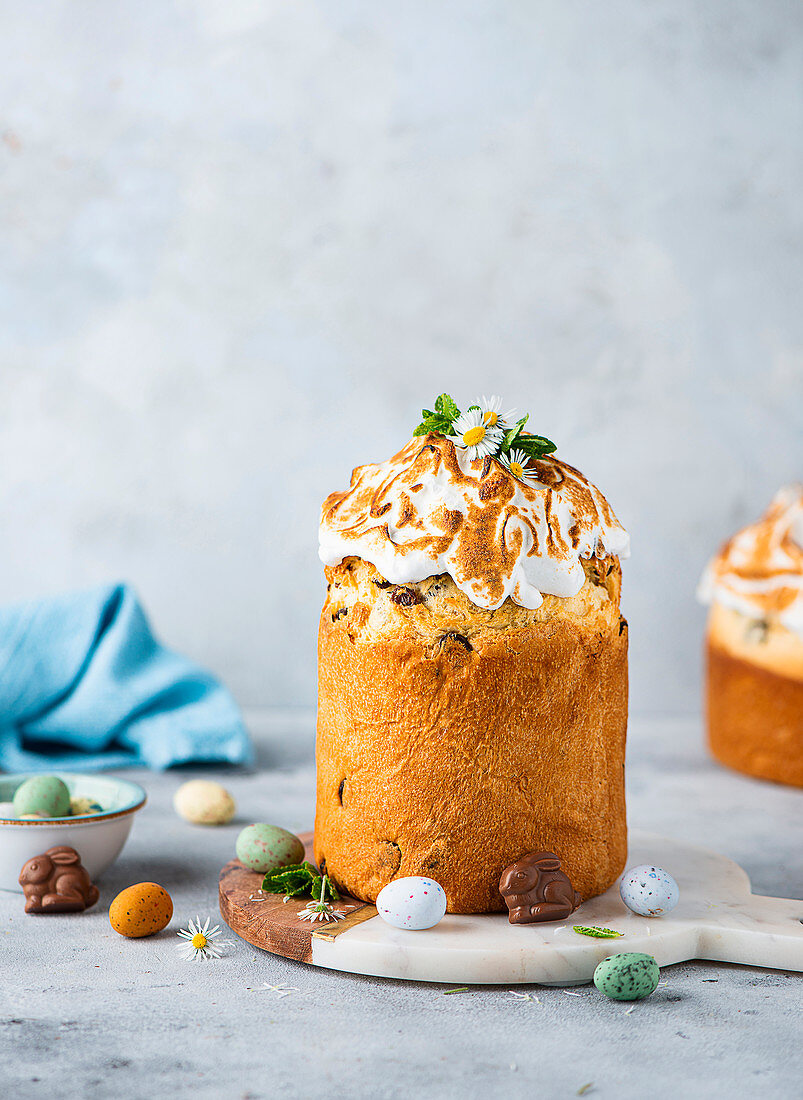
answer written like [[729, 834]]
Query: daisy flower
[[477, 438], [318, 909], [199, 940], [492, 415], [516, 461]]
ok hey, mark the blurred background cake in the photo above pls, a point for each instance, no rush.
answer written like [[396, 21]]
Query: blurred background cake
[[472, 666], [754, 645]]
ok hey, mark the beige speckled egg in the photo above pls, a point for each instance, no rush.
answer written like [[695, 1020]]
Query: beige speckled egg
[[141, 910], [203, 802]]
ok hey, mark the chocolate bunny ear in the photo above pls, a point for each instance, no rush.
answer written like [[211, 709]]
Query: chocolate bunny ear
[[549, 862], [63, 855]]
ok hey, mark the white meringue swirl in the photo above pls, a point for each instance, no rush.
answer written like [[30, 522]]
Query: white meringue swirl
[[432, 509], [759, 572]]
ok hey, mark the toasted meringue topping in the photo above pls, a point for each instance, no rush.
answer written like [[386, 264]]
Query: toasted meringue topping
[[431, 509], [759, 572]]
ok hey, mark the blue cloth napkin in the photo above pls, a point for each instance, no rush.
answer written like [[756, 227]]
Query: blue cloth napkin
[[85, 685]]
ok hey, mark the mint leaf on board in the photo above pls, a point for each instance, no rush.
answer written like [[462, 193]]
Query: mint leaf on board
[[297, 880], [599, 933]]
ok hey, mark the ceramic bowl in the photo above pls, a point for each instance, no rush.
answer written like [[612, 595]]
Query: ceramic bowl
[[98, 838]]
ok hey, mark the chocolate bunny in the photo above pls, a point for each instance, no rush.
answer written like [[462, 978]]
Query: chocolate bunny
[[56, 882], [535, 889]]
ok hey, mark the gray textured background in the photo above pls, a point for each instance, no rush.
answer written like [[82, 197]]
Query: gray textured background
[[242, 242]]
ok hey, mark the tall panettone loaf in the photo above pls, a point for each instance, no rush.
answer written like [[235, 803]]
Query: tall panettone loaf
[[754, 645], [472, 676]]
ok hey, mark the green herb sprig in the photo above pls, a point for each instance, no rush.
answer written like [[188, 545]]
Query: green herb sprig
[[298, 880], [441, 420], [599, 933]]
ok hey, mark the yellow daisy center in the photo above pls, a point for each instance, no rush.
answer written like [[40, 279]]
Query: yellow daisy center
[[517, 469], [199, 940], [473, 436], [491, 419]]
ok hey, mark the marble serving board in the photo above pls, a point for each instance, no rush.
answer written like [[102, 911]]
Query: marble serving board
[[717, 918]]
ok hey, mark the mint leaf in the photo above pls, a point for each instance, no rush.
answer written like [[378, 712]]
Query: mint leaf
[[599, 933], [293, 880], [434, 422], [296, 880], [535, 446], [445, 405], [511, 435]]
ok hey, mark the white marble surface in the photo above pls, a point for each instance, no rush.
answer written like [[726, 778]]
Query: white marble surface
[[717, 918], [87, 1015], [241, 241]]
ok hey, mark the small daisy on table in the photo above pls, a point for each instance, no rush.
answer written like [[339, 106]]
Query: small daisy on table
[[477, 439], [201, 941], [517, 463]]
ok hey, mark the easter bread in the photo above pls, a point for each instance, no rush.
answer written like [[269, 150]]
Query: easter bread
[[754, 645], [472, 664]]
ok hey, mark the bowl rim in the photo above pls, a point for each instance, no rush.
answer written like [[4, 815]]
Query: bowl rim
[[137, 797]]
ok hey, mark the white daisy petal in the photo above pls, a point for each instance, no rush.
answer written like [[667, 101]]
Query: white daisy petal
[[474, 437], [517, 463], [492, 415]]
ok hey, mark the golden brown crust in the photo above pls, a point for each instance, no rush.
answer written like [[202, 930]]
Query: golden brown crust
[[755, 717], [454, 753]]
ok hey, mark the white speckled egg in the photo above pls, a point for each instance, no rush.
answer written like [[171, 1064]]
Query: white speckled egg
[[649, 891], [412, 902], [7, 811]]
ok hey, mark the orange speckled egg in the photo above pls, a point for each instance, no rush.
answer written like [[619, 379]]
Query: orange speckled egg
[[141, 910]]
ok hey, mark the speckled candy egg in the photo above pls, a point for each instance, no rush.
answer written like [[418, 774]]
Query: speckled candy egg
[[7, 810], [265, 848], [629, 976], [46, 795], [141, 910], [649, 891], [203, 802], [412, 902], [81, 807]]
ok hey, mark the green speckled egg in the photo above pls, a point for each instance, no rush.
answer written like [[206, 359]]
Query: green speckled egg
[[42, 794], [264, 848], [629, 976]]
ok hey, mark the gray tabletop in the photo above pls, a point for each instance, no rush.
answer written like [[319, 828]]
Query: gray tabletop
[[87, 1013]]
